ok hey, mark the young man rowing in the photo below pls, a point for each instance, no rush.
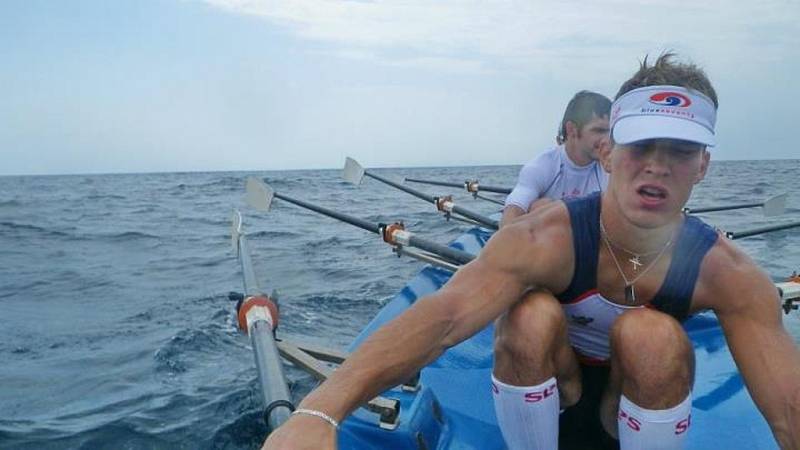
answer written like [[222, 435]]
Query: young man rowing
[[636, 268], [570, 169]]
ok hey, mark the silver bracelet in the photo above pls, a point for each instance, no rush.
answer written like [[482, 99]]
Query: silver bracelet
[[315, 413]]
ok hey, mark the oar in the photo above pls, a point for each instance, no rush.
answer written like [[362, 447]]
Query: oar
[[488, 199], [354, 173], [761, 230], [260, 195], [774, 206], [472, 186], [258, 317]]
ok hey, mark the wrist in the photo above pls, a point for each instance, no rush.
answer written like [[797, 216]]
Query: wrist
[[321, 415]]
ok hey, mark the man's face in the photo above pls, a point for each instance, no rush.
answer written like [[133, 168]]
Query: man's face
[[652, 180], [589, 138]]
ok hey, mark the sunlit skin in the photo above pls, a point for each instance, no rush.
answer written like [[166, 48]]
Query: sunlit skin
[[641, 210], [651, 182]]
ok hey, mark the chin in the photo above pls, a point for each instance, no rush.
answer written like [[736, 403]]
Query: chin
[[651, 218]]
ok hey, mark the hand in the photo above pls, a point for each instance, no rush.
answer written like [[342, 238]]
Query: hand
[[302, 433]]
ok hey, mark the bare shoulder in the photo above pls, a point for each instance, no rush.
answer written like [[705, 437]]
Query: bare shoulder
[[731, 282], [534, 245]]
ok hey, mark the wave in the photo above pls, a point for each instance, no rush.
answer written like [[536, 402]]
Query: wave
[[35, 228], [129, 235], [9, 203], [224, 182], [272, 234], [179, 353], [95, 197]]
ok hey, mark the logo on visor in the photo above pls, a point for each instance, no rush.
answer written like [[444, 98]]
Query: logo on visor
[[670, 99]]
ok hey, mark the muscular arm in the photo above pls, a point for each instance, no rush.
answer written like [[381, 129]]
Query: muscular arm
[[510, 213], [745, 300], [478, 293]]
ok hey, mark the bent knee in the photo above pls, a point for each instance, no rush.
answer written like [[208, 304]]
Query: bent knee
[[645, 341], [536, 310], [536, 319], [645, 325]]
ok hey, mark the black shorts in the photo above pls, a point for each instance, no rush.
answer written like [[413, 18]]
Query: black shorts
[[579, 425]]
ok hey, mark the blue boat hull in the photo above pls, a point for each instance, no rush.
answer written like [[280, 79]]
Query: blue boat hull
[[453, 409]]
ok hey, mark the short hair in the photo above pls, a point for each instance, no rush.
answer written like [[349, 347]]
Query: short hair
[[667, 72], [583, 107]]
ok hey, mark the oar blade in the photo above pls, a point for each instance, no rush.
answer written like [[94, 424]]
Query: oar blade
[[259, 195], [236, 230], [775, 206], [353, 172]]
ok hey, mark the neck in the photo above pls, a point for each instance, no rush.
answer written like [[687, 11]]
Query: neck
[[578, 157], [635, 238]]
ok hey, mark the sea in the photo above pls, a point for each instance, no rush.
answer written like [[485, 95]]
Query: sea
[[116, 327]]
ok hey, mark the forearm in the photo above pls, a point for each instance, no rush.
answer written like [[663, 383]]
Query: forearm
[[476, 294], [387, 358], [785, 424], [768, 359]]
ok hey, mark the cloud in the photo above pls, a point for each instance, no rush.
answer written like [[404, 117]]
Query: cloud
[[525, 34]]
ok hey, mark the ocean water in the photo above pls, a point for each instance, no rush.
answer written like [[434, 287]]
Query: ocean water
[[116, 329]]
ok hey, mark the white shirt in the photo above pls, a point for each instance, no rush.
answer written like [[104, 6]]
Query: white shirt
[[553, 175]]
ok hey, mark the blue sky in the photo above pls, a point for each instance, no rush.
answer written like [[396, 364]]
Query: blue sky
[[94, 86]]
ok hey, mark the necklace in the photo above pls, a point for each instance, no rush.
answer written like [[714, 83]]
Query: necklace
[[635, 259], [630, 293]]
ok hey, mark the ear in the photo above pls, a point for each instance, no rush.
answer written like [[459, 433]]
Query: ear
[[701, 174], [604, 153], [572, 129]]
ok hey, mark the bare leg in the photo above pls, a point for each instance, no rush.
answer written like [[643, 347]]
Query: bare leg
[[531, 346], [652, 364], [533, 363]]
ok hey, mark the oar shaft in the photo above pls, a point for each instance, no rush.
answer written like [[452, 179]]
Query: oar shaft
[[488, 199], [424, 244], [491, 223], [755, 231], [444, 251], [270, 375], [274, 389], [363, 224], [436, 183], [414, 192], [481, 187], [723, 208], [429, 198], [248, 274], [495, 189]]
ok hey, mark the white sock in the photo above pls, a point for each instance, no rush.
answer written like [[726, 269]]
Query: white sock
[[527, 416], [653, 429]]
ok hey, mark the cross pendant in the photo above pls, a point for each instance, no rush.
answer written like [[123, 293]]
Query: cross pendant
[[630, 296], [636, 262]]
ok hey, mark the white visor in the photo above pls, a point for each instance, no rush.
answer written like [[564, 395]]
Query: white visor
[[663, 112]]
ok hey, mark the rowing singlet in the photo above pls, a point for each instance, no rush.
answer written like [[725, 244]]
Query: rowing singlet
[[590, 315], [552, 174]]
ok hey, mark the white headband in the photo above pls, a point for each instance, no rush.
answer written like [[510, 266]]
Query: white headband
[[663, 112]]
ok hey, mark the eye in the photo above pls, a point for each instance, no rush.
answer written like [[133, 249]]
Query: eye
[[687, 151]]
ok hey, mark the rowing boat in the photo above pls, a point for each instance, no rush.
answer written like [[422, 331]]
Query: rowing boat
[[452, 408], [449, 404]]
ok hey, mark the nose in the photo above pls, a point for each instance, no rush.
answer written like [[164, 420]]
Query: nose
[[657, 161]]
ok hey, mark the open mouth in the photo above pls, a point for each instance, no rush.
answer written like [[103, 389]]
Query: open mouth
[[652, 193]]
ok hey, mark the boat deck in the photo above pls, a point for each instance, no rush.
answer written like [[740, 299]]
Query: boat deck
[[453, 409]]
